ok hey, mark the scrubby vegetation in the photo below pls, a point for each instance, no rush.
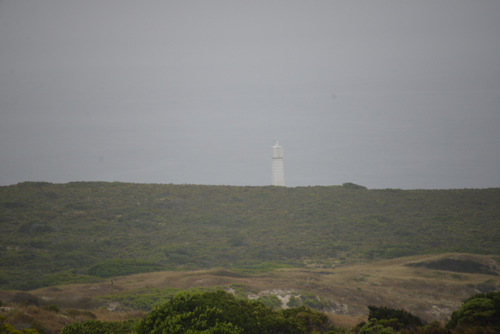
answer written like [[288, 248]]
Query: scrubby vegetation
[[221, 312], [83, 231], [478, 313], [387, 317], [456, 265], [147, 299], [218, 311], [100, 327], [121, 267]]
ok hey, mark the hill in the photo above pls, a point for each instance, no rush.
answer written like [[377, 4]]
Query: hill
[[84, 231], [343, 293]]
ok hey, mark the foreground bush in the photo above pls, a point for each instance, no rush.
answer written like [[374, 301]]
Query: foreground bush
[[403, 318], [100, 327], [388, 320], [479, 311], [6, 328], [220, 312]]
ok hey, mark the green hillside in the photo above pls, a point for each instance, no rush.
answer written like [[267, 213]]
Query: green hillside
[[83, 231]]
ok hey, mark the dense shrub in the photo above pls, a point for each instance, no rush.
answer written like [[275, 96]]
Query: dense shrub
[[24, 298], [6, 328], [145, 299], [100, 327], [456, 265], [222, 312], [350, 185], [394, 318], [52, 233], [481, 310], [309, 320]]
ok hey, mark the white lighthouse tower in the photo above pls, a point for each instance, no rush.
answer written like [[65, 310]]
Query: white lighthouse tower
[[278, 170]]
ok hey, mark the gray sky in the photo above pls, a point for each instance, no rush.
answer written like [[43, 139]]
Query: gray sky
[[386, 94]]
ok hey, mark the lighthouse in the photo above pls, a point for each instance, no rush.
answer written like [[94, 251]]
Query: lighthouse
[[278, 169]]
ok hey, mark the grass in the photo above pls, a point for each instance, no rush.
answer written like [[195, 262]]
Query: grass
[[345, 291]]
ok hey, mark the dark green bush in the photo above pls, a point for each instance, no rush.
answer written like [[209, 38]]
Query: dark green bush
[[309, 320], [220, 312], [481, 310], [25, 298], [404, 318], [100, 327]]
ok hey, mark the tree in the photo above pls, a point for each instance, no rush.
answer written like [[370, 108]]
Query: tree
[[480, 310], [215, 312], [393, 318], [375, 326], [309, 320]]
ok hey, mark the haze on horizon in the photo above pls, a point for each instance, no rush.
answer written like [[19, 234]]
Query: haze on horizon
[[386, 94]]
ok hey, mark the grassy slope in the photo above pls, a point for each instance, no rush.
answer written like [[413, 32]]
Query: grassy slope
[[430, 294], [52, 233]]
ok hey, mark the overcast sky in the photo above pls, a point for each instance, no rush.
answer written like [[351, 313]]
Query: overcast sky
[[386, 94]]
